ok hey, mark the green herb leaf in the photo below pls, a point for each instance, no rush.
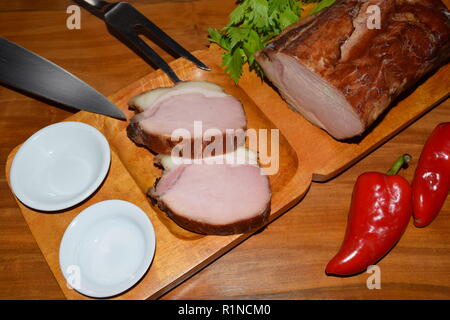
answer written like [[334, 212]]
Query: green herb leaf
[[237, 15], [252, 45], [287, 17], [251, 25], [233, 62], [322, 5], [237, 35], [214, 35]]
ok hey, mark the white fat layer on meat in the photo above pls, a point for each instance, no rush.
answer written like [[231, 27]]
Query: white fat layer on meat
[[241, 155], [152, 97]]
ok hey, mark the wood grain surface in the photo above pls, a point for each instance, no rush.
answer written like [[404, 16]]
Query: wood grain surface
[[179, 252], [287, 259]]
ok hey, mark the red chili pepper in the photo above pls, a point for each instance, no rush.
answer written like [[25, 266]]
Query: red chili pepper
[[431, 183], [380, 211]]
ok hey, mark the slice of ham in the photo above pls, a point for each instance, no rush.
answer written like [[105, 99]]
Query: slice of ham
[[341, 74], [214, 198], [165, 110]]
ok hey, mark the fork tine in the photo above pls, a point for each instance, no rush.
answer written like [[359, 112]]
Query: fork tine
[[170, 43], [147, 53]]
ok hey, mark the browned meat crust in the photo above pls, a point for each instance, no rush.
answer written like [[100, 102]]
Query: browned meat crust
[[370, 67]]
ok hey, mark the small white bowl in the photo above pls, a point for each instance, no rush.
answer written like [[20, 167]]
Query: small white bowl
[[107, 248], [60, 166]]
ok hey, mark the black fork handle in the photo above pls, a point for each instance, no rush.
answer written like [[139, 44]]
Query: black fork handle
[[97, 7]]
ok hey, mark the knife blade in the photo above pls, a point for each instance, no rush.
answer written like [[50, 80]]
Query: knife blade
[[29, 72]]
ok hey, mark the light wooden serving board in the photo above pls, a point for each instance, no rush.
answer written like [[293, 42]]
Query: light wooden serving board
[[306, 154]]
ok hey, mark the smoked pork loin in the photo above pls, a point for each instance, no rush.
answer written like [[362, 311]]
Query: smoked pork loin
[[187, 104], [214, 197], [223, 194], [341, 71]]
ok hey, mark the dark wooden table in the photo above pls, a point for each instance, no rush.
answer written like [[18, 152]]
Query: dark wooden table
[[287, 259]]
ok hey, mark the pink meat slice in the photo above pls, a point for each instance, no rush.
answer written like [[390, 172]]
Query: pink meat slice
[[181, 111], [214, 199], [196, 113]]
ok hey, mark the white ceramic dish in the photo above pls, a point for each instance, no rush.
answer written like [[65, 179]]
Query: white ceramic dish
[[107, 248], [59, 166]]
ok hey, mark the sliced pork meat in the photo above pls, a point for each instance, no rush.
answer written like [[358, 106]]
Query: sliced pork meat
[[192, 115], [218, 198], [341, 70]]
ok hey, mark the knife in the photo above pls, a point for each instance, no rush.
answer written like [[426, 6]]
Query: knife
[[26, 71]]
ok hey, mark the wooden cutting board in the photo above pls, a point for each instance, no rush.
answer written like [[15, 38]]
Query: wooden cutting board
[[306, 153]]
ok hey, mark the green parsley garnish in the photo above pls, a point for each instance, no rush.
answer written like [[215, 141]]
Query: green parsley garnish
[[252, 24]]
